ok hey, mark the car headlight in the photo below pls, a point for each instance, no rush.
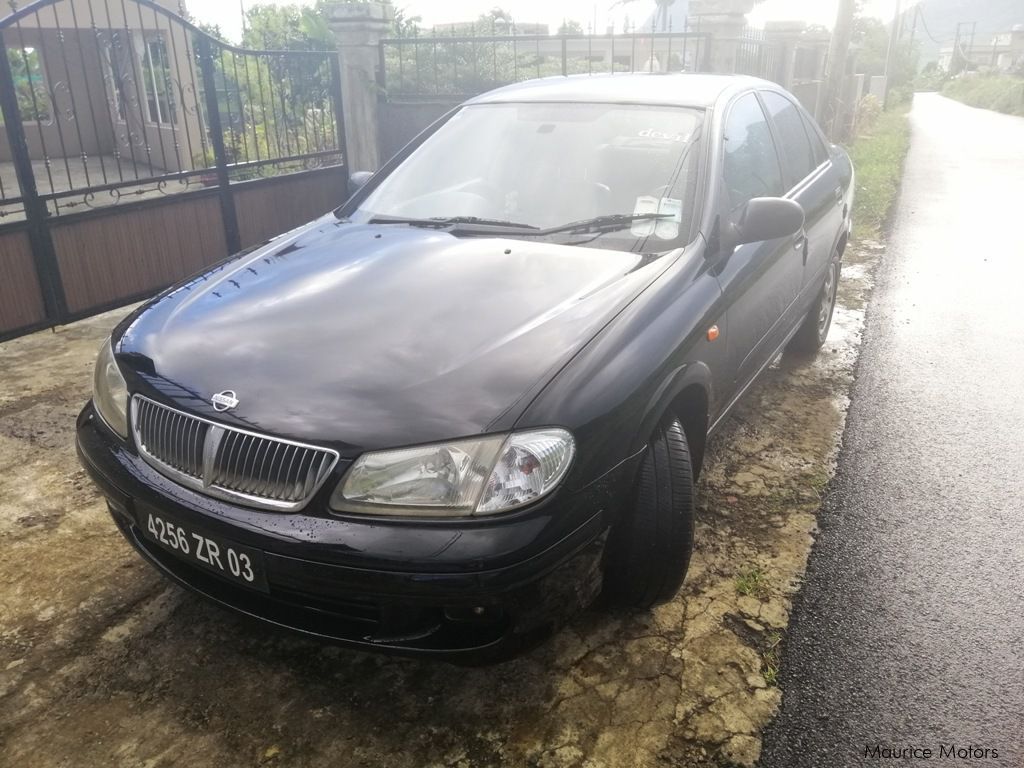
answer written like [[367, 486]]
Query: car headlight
[[110, 392], [478, 476]]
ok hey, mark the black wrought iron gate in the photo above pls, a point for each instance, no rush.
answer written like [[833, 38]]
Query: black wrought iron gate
[[136, 149]]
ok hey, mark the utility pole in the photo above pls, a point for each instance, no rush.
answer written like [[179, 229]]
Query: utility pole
[[838, 50], [954, 61], [961, 58], [890, 54]]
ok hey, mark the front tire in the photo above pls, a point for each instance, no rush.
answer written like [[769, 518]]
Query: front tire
[[650, 547], [813, 330]]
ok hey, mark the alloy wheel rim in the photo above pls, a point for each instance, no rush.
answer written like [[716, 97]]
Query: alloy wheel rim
[[828, 300]]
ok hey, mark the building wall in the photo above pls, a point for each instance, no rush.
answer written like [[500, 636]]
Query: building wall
[[83, 116], [75, 88]]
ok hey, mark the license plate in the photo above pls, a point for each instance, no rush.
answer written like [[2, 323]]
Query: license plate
[[242, 565]]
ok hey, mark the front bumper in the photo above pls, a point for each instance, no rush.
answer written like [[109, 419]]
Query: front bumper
[[472, 591]]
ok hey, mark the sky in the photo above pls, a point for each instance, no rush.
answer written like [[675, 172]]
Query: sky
[[228, 13]]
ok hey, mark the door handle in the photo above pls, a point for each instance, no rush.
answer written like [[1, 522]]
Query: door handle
[[839, 195], [800, 244]]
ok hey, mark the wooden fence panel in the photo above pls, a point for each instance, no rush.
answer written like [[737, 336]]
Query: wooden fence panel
[[270, 206], [21, 301], [136, 249]]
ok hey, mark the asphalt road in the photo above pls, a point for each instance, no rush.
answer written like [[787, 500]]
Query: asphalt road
[[910, 627]]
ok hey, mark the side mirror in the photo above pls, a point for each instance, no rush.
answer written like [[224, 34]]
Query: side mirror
[[768, 218], [357, 180]]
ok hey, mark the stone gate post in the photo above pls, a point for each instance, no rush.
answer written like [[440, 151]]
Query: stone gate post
[[358, 28]]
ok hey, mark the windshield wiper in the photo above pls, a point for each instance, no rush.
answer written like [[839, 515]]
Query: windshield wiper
[[441, 222], [608, 223]]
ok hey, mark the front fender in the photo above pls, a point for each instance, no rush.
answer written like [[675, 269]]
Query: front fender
[[695, 375], [614, 391]]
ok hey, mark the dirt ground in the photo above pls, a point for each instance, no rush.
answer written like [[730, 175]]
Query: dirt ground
[[102, 663]]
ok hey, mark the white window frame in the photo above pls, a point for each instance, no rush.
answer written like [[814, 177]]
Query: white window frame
[[151, 82]]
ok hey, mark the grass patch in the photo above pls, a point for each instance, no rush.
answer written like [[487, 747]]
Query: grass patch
[[771, 658], [752, 583], [1001, 93], [878, 163]]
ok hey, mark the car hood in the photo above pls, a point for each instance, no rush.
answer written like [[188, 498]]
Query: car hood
[[367, 336]]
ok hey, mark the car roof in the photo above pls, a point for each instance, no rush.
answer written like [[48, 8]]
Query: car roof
[[670, 89]]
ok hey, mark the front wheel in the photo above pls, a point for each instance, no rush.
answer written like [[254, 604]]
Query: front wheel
[[814, 330], [649, 549]]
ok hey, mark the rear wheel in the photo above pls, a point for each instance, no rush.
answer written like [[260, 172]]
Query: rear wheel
[[649, 550], [814, 329]]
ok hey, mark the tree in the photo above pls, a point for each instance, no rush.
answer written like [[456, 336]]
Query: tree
[[405, 26], [29, 85], [273, 106], [496, 21], [213, 30], [288, 28], [871, 39]]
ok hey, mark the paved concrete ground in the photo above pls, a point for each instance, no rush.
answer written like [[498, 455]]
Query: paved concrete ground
[[104, 664], [910, 629], [63, 174]]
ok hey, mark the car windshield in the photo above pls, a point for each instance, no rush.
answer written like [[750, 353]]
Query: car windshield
[[514, 167]]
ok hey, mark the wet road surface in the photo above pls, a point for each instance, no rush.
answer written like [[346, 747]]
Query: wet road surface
[[910, 628]]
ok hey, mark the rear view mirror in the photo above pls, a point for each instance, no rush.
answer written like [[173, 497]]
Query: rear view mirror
[[768, 218], [357, 180]]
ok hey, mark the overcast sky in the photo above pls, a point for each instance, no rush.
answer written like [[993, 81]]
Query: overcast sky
[[228, 13]]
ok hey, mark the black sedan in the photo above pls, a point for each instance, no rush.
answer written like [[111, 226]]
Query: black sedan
[[477, 395]]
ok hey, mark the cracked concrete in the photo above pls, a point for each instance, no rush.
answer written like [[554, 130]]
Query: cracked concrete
[[104, 664]]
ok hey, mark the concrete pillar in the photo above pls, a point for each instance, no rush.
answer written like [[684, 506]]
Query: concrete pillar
[[358, 28], [785, 35], [723, 21]]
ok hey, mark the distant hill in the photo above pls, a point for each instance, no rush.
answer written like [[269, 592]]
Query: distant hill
[[941, 17]]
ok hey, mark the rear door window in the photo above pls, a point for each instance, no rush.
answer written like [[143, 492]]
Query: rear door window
[[814, 134]]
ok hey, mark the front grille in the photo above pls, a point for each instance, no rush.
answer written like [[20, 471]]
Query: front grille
[[227, 462], [171, 437], [267, 468]]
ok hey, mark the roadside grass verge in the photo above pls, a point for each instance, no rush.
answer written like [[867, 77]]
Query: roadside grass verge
[[877, 156], [752, 583], [1000, 93], [771, 658]]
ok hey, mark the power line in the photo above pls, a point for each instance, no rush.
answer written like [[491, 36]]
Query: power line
[[924, 24]]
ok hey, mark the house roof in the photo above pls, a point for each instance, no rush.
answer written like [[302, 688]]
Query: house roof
[[674, 89]]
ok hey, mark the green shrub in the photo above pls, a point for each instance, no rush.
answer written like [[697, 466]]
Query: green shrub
[[877, 156], [1001, 93], [899, 95], [930, 80], [868, 110]]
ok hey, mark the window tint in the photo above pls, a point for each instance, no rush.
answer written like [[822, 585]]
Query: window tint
[[751, 164], [796, 147], [550, 163], [817, 145]]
